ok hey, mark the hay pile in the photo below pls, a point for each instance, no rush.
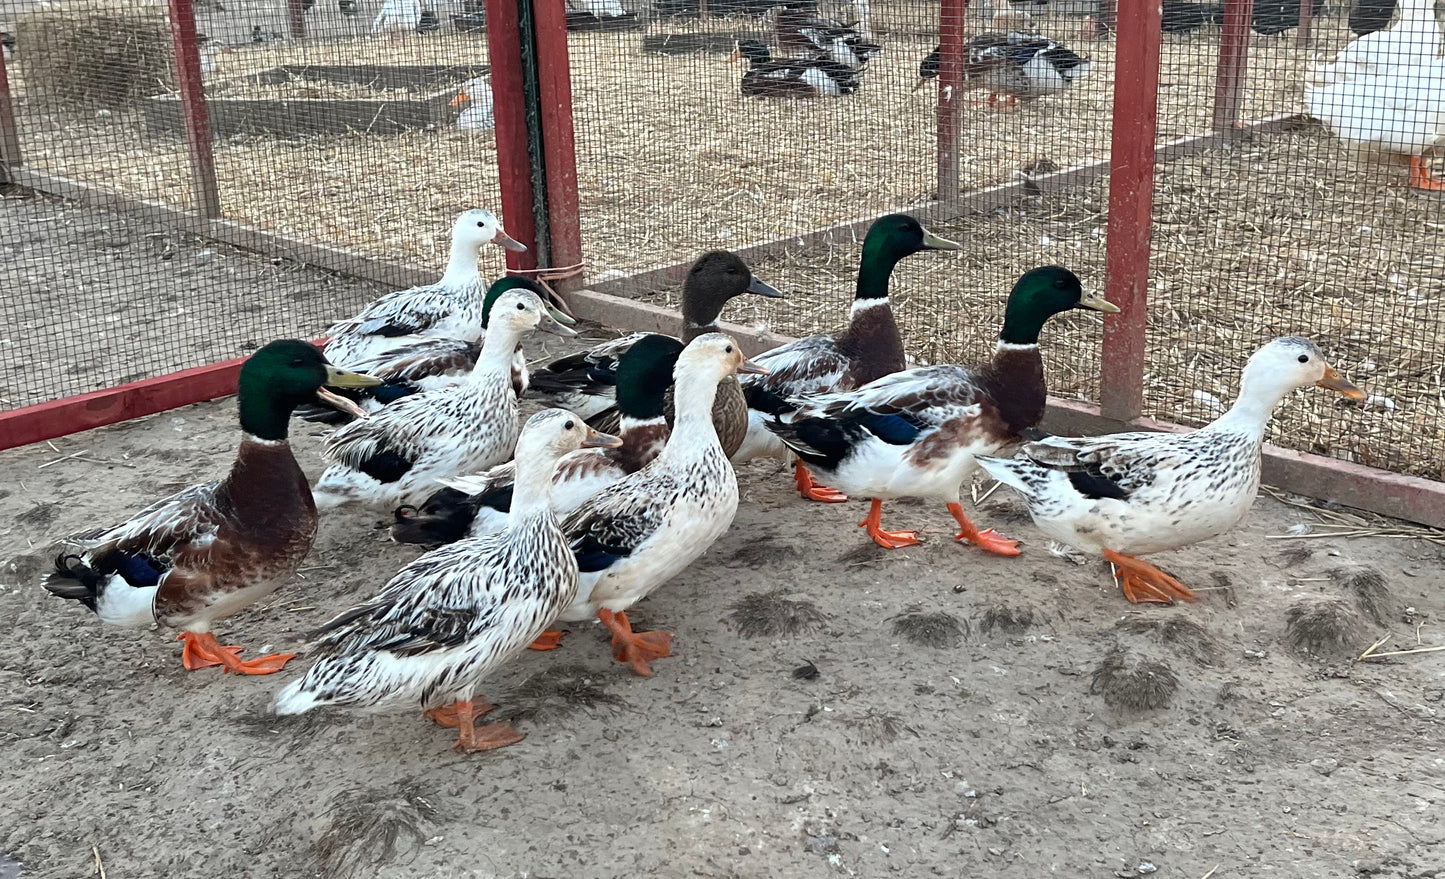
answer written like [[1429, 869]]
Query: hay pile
[[96, 54]]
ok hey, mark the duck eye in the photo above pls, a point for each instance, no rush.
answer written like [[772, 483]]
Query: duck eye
[[480, 224], [521, 306], [730, 349], [568, 426], [1304, 358]]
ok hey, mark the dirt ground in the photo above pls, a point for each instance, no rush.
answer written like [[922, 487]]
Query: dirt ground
[[1031, 724]]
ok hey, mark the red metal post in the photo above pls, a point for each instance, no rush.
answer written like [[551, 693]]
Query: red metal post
[[951, 29], [9, 133], [1306, 18], [504, 42], [193, 108], [1233, 62], [1131, 205], [558, 139], [296, 18]]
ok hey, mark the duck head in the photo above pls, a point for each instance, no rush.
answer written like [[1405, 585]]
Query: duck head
[[519, 310], [713, 357], [556, 306], [756, 53], [716, 277], [890, 239], [476, 228], [285, 374], [644, 374], [1038, 295], [557, 432], [1289, 363]]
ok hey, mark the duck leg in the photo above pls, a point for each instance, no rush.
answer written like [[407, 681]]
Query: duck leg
[[548, 640], [811, 489], [1144, 583], [635, 648], [448, 715], [462, 714], [1421, 178], [990, 540], [201, 650], [886, 539]]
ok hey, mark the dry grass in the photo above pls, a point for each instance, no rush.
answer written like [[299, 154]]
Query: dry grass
[[98, 53]]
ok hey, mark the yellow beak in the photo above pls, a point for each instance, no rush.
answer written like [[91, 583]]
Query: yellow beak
[[1098, 303], [1336, 382], [337, 377]]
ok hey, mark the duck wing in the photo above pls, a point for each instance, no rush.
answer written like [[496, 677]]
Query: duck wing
[[1114, 466]]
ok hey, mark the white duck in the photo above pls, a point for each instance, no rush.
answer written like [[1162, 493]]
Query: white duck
[[395, 456], [476, 94], [397, 17], [452, 616], [637, 534], [1134, 493], [1385, 91]]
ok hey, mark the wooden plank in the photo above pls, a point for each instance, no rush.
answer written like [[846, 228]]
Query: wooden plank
[[1233, 62], [504, 42], [564, 217], [9, 134], [950, 95], [192, 90], [1131, 207], [34, 424]]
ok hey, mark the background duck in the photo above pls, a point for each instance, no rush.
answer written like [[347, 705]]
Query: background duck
[[640, 532], [1183, 16], [919, 432], [452, 616], [396, 18], [214, 549], [1135, 493], [471, 506], [802, 33], [793, 78], [870, 348], [586, 382], [395, 456], [1022, 67], [475, 97]]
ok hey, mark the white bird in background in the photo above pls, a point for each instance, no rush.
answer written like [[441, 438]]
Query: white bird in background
[[477, 94], [211, 51], [397, 16]]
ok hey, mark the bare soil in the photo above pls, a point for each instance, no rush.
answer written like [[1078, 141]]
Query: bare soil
[[831, 709]]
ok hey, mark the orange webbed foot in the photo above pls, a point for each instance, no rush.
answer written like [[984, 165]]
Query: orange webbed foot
[[449, 715], [811, 490], [635, 648], [989, 540], [548, 640], [488, 738], [1142, 583], [202, 650], [886, 539], [1421, 178], [462, 714]]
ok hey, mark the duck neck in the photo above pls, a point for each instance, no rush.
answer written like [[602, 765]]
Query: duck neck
[[1250, 414], [698, 316], [264, 417], [532, 491], [872, 336], [1016, 384], [692, 428], [498, 347], [461, 265], [875, 270]]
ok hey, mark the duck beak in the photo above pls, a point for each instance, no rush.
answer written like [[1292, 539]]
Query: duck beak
[[735, 56], [762, 289], [747, 367], [337, 377], [1336, 382], [338, 402], [461, 96], [502, 239], [1098, 303], [933, 242], [557, 306], [596, 439], [549, 324]]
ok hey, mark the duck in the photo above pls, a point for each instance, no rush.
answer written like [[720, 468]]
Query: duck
[[638, 533], [1368, 16], [1021, 67], [868, 349], [214, 549], [472, 506], [1131, 494], [211, 51], [477, 115], [919, 432], [396, 455], [453, 616], [419, 363], [801, 33], [1271, 18], [586, 382], [397, 17], [1385, 92], [790, 78], [1183, 16]]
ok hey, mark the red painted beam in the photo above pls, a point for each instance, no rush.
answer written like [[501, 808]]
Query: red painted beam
[[193, 108], [1131, 206], [1306, 18], [559, 139], [504, 42], [296, 18], [9, 134], [1233, 61], [951, 37], [34, 424]]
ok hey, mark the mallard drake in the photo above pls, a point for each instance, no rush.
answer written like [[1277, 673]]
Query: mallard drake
[[424, 363], [471, 506], [1022, 67], [586, 382], [475, 96], [640, 532], [793, 78], [1136, 493], [212, 550], [395, 456], [802, 33], [1385, 92], [452, 616], [918, 433], [870, 348]]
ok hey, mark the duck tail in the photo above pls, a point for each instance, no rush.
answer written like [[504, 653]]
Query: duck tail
[[73, 579], [113, 598], [446, 517], [1006, 470], [295, 698]]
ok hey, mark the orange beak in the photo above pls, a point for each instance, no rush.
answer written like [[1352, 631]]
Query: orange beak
[[735, 56], [461, 96], [1336, 382]]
